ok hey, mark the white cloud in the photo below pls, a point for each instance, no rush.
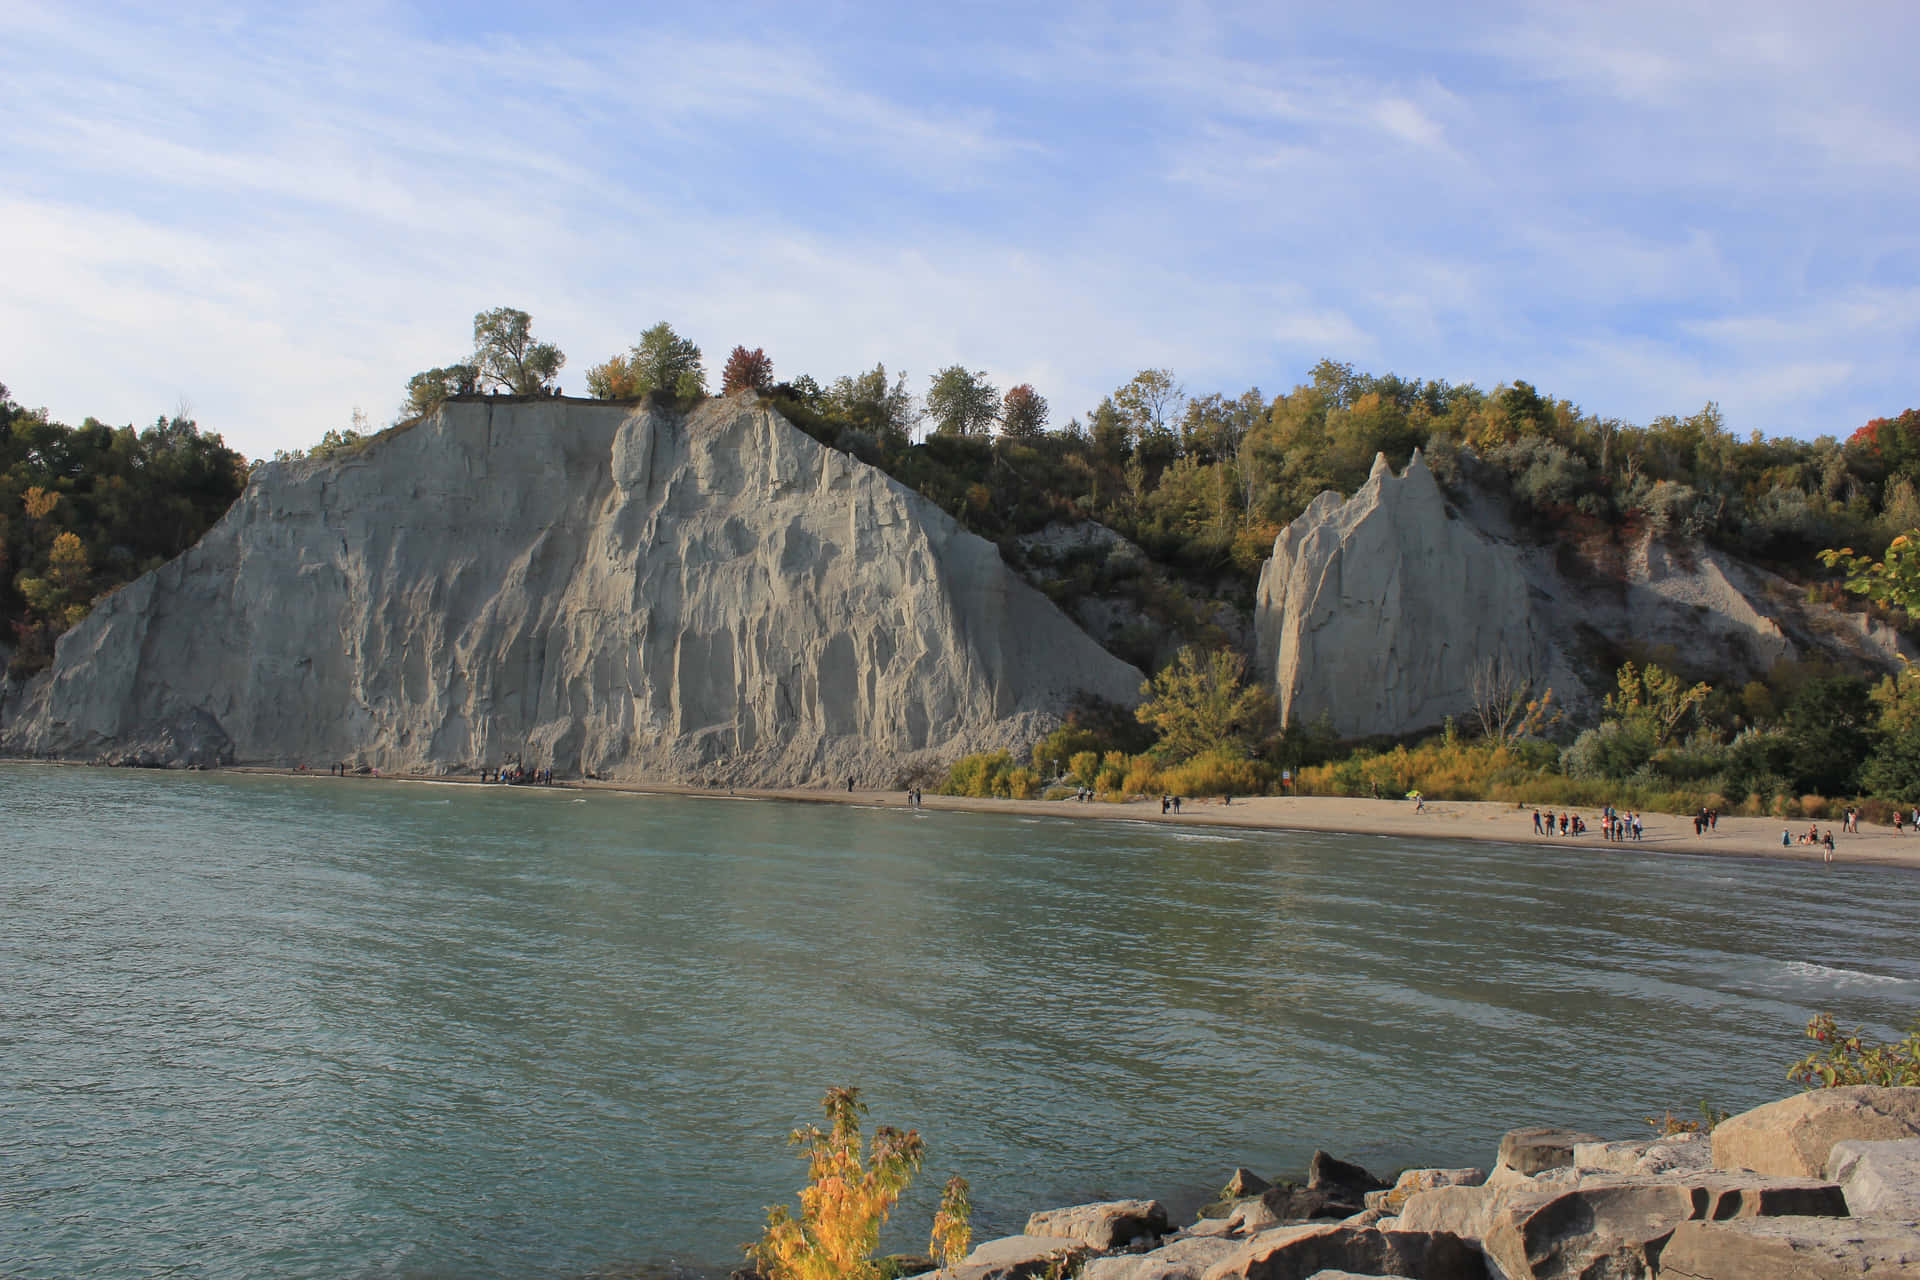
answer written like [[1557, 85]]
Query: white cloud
[[281, 216]]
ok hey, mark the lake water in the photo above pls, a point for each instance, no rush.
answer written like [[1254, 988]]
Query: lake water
[[316, 1027]]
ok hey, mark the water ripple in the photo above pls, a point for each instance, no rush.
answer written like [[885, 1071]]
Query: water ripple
[[338, 1028]]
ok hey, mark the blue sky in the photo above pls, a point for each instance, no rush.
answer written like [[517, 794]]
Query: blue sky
[[275, 214]]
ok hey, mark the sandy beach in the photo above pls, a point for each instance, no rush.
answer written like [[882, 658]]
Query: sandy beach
[[1442, 819]]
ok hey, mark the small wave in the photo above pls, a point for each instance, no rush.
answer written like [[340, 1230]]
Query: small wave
[[1828, 973], [1194, 837]]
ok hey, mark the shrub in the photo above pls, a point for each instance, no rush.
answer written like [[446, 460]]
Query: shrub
[[952, 1223], [1853, 1059], [985, 775], [1614, 750], [1112, 773], [1056, 753], [1813, 806], [1142, 777], [1213, 773], [845, 1201]]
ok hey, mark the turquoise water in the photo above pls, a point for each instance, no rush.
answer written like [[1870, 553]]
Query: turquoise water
[[317, 1027]]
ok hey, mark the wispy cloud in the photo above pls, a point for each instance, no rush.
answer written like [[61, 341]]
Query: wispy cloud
[[281, 213]]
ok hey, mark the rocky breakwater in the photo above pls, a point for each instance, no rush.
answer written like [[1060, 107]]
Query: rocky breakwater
[[1817, 1187], [631, 592]]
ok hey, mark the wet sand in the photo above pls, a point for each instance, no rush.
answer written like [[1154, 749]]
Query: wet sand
[[1441, 819]]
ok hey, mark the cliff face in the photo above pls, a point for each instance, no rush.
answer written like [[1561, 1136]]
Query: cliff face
[[1375, 611], [626, 591], [1378, 610]]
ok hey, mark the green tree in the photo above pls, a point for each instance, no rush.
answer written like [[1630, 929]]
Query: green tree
[[1829, 724], [1655, 700], [870, 403], [506, 356], [428, 390], [1893, 581], [1148, 404], [1198, 703], [962, 403], [664, 361], [1893, 770]]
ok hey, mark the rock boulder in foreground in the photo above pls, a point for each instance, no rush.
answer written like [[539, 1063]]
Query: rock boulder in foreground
[[597, 587]]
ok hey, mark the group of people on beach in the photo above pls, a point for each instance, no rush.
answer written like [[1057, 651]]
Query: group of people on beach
[[1169, 804], [1614, 825], [519, 774]]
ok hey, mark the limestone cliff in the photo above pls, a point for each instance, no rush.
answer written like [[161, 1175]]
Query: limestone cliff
[[1375, 611], [628, 591]]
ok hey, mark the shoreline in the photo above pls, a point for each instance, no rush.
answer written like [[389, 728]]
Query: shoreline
[[1489, 821]]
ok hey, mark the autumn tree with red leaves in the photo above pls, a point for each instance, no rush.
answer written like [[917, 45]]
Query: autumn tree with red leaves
[[1892, 442], [1023, 412], [747, 370]]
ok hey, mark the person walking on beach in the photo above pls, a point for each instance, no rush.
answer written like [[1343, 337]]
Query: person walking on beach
[[1829, 843]]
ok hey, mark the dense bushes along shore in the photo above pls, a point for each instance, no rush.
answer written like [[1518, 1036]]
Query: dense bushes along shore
[[1803, 743]]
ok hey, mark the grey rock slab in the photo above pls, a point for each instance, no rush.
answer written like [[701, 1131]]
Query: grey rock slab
[[1678, 1153], [1879, 1179], [1791, 1249], [1534, 1150], [1016, 1257], [1328, 1173], [1413, 1181], [1185, 1259], [1460, 1210], [1614, 1226], [1107, 1225], [1603, 1224], [1795, 1136], [1294, 1253], [1243, 1182]]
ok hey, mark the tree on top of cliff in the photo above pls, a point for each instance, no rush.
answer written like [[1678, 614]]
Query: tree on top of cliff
[[661, 361], [507, 357], [962, 403], [869, 402], [747, 370], [1894, 443], [1023, 413], [428, 388]]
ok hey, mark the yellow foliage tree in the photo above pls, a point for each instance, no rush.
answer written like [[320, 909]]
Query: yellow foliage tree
[[68, 563], [953, 1223], [1198, 704], [847, 1199], [40, 502]]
